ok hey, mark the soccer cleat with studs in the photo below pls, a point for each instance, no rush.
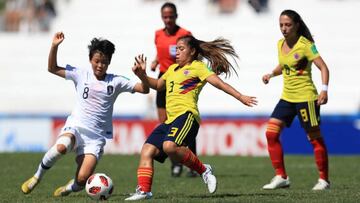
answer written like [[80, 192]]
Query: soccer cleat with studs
[[61, 191], [209, 178], [321, 185], [277, 182], [139, 195], [29, 185]]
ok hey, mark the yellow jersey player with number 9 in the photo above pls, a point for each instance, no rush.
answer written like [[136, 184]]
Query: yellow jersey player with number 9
[[297, 52]]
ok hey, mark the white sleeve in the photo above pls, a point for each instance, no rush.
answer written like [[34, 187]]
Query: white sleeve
[[72, 73], [124, 84]]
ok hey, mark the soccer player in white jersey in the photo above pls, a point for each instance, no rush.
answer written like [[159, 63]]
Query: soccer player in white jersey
[[90, 122]]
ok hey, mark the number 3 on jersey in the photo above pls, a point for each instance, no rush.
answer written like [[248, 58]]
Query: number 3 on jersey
[[173, 132], [171, 86], [86, 93]]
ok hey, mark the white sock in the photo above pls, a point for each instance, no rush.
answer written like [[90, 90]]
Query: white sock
[[40, 172], [52, 156], [47, 161]]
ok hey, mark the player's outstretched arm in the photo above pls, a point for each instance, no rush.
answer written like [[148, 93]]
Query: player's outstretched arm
[[220, 84], [52, 60], [140, 68]]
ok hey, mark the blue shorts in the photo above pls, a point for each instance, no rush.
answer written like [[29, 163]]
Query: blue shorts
[[308, 113], [182, 131]]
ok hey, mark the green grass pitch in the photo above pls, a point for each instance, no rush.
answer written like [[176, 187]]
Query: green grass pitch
[[239, 179]]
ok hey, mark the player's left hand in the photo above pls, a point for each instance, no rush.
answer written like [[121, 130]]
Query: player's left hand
[[323, 98]]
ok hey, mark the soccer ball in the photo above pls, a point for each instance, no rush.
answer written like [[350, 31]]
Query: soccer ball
[[99, 186]]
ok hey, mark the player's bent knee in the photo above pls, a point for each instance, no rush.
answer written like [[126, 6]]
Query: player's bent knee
[[146, 159], [61, 148], [273, 129], [149, 150], [170, 149], [63, 144]]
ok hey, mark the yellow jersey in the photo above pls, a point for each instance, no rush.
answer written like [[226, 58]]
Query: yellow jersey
[[183, 86], [296, 70]]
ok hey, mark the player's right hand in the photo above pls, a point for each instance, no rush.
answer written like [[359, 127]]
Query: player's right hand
[[266, 78], [58, 38]]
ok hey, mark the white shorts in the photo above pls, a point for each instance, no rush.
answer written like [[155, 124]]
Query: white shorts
[[86, 142]]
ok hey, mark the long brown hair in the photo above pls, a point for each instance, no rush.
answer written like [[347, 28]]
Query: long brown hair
[[215, 52]]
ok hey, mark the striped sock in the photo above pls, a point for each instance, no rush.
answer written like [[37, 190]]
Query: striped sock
[[191, 161], [275, 149], [145, 175]]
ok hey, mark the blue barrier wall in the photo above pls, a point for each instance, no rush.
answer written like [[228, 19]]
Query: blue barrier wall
[[341, 134]]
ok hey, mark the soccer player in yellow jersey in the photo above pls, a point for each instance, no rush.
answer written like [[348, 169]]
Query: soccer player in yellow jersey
[[296, 53], [184, 81], [165, 41]]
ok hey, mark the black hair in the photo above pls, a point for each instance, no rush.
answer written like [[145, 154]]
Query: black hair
[[170, 5], [101, 45], [303, 29]]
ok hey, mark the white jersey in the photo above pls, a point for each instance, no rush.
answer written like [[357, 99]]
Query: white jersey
[[95, 99]]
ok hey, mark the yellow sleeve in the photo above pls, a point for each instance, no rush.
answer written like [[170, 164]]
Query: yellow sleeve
[[204, 71], [311, 52]]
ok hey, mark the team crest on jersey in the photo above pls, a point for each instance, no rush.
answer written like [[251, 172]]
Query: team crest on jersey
[[110, 89], [172, 51], [296, 56], [186, 72]]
